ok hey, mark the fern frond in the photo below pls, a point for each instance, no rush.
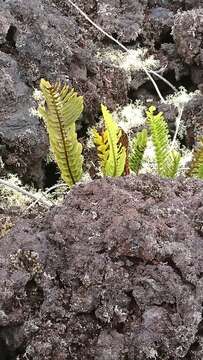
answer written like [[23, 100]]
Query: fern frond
[[196, 167], [111, 152], [139, 145], [61, 110], [160, 138], [172, 164]]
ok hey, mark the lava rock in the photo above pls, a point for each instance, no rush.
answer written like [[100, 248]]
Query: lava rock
[[113, 273], [188, 35]]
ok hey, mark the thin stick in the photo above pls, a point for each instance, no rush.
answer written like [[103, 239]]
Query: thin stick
[[178, 120], [126, 50], [163, 79], [154, 83], [45, 193], [23, 191], [97, 26]]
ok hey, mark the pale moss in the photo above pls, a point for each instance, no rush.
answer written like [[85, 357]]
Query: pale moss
[[149, 165], [130, 116], [13, 198], [185, 161], [90, 142], [181, 97], [132, 61], [6, 226], [135, 60]]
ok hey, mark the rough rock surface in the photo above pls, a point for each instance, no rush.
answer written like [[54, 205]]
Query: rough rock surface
[[188, 34], [44, 38], [193, 120], [113, 274]]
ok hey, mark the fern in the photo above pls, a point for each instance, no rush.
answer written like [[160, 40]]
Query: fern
[[196, 167], [139, 145], [111, 151], [173, 163], [61, 110], [167, 161]]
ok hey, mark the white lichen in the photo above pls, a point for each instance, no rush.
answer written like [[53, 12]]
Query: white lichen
[[130, 116], [132, 61], [181, 97]]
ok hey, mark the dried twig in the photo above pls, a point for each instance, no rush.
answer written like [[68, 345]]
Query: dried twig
[[24, 192], [178, 120], [44, 194]]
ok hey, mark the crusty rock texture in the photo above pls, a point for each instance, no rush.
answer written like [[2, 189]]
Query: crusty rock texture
[[188, 33], [115, 273], [50, 39]]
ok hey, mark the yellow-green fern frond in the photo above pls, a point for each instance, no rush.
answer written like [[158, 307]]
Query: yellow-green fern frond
[[139, 145], [196, 167], [61, 110], [111, 152], [172, 165], [101, 142]]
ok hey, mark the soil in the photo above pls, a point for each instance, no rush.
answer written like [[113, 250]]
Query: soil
[[115, 272]]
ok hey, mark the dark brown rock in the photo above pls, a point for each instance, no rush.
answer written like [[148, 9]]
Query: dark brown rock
[[188, 35], [113, 273], [193, 120]]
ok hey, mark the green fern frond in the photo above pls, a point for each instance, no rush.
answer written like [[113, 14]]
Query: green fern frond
[[160, 138], [196, 167], [111, 152], [167, 161], [61, 110], [173, 163], [139, 145]]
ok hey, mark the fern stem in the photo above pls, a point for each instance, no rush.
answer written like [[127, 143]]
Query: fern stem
[[178, 120]]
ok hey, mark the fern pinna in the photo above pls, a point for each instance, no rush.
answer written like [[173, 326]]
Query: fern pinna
[[60, 111], [111, 151]]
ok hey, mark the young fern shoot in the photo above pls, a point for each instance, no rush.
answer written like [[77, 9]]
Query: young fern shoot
[[110, 150]]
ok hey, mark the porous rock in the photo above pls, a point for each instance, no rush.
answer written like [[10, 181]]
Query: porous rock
[[42, 39], [188, 34], [114, 273]]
